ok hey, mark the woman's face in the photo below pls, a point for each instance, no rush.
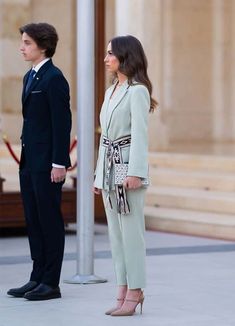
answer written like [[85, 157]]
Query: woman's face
[[111, 62]]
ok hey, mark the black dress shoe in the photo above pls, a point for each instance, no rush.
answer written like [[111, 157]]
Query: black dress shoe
[[20, 292], [43, 292]]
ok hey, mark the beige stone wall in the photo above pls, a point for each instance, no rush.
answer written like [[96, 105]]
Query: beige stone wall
[[62, 15], [177, 37], [133, 17], [223, 78], [188, 84], [190, 46], [144, 20], [14, 14]]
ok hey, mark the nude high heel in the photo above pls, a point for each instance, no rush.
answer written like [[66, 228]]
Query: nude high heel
[[124, 312], [120, 302]]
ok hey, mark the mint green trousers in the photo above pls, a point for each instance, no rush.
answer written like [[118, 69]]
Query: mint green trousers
[[126, 234]]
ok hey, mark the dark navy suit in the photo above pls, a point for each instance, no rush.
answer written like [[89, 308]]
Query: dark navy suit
[[45, 140]]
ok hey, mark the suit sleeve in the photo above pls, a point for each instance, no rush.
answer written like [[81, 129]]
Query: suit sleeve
[[59, 103], [138, 159]]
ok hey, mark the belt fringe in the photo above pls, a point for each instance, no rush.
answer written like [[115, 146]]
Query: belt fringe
[[114, 157]]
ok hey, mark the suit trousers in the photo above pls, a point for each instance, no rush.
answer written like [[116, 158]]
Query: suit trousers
[[41, 201], [126, 233]]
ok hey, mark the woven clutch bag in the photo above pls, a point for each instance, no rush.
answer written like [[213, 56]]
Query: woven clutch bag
[[120, 174]]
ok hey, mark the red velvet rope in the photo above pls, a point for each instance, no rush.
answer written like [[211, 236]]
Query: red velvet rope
[[8, 145], [14, 156], [72, 167], [73, 144]]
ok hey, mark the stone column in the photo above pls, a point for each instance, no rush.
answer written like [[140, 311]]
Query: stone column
[[232, 70], [143, 19], [223, 71], [188, 81]]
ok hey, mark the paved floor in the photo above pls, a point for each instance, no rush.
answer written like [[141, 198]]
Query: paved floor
[[191, 282]]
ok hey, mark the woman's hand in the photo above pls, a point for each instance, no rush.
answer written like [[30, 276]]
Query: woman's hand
[[96, 191], [132, 183]]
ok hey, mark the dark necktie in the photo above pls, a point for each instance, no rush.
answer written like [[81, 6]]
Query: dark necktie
[[30, 79]]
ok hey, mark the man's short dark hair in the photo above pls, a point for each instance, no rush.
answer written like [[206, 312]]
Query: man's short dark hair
[[44, 35]]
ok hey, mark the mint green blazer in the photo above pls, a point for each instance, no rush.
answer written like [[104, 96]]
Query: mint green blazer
[[126, 113]]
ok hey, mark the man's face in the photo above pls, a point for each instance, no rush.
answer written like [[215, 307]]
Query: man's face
[[30, 50]]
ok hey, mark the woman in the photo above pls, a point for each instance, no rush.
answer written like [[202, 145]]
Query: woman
[[124, 139]]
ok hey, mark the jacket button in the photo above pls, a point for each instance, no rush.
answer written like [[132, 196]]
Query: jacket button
[[23, 145]]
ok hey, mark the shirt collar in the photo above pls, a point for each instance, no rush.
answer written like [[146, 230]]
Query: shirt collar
[[40, 64]]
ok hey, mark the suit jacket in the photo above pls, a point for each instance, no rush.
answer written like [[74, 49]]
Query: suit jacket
[[125, 114], [47, 120]]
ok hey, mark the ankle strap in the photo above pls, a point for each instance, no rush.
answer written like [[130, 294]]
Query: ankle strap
[[131, 300], [120, 299]]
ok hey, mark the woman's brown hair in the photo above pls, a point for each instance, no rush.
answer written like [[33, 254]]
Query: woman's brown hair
[[133, 62]]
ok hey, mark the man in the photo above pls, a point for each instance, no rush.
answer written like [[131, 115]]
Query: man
[[44, 160]]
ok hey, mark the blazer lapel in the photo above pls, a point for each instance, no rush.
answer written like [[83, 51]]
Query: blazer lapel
[[105, 108], [33, 84], [24, 84], [36, 79], [115, 101]]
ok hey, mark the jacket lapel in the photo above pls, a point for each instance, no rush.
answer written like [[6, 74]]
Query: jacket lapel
[[36, 79], [115, 101], [105, 108], [24, 84]]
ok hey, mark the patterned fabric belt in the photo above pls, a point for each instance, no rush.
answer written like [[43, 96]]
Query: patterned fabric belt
[[114, 156]]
